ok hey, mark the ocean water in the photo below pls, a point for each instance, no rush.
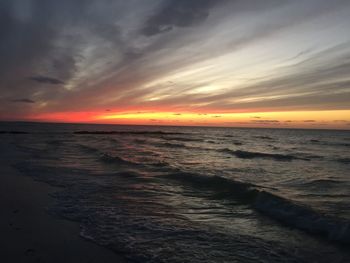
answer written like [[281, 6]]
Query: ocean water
[[195, 194]]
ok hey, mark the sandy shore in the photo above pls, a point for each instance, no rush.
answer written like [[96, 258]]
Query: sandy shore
[[28, 233]]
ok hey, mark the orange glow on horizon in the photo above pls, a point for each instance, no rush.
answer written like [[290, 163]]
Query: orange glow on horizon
[[338, 119]]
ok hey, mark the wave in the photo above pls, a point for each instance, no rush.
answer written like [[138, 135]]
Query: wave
[[281, 209], [343, 160], [161, 164], [113, 159], [183, 139], [210, 141], [169, 145], [314, 140], [341, 144], [223, 186], [310, 156], [88, 149], [54, 142], [338, 144], [325, 195], [264, 138], [128, 132], [108, 158], [303, 217], [323, 183], [173, 145], [140, 141], [253, 155], [13, 132]]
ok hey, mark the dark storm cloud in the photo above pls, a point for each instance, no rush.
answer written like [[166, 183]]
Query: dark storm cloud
[[178, 13], [48, 80]]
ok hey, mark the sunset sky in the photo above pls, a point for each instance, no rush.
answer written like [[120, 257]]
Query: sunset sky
[[271, 63]]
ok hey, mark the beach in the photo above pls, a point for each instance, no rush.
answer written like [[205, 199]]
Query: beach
[[111, 193], [175, 131], [28, 232]]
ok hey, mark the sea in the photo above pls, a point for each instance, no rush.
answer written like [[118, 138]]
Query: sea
[[195, 194]]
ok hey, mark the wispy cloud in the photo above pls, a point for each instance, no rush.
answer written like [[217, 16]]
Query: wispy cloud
[[47, 80], [178, 13], [182, 56], [23, 100], [265, 121]]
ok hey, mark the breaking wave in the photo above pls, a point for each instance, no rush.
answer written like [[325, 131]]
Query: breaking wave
[[283, 210], [303, 217]]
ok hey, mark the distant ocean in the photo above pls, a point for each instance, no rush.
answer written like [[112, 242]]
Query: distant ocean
[[195, 194]]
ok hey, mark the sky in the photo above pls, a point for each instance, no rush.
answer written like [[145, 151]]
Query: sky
[[271, 63]]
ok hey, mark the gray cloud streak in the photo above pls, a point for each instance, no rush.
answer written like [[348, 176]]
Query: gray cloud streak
[[46, 80], [178, 13], [24, 101], [93, 54]]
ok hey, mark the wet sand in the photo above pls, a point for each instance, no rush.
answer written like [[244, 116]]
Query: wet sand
[[29, 233]]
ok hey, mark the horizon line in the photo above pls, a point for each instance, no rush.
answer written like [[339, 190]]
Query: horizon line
[[165, 125]]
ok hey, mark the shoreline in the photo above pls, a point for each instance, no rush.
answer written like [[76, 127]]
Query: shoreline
[[29, 233]]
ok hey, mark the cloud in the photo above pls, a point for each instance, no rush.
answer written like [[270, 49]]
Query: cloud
[[265, 121], [309, 121], [316, 83], [248, 56], [47, 80], [178, 13], [23, 100]]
